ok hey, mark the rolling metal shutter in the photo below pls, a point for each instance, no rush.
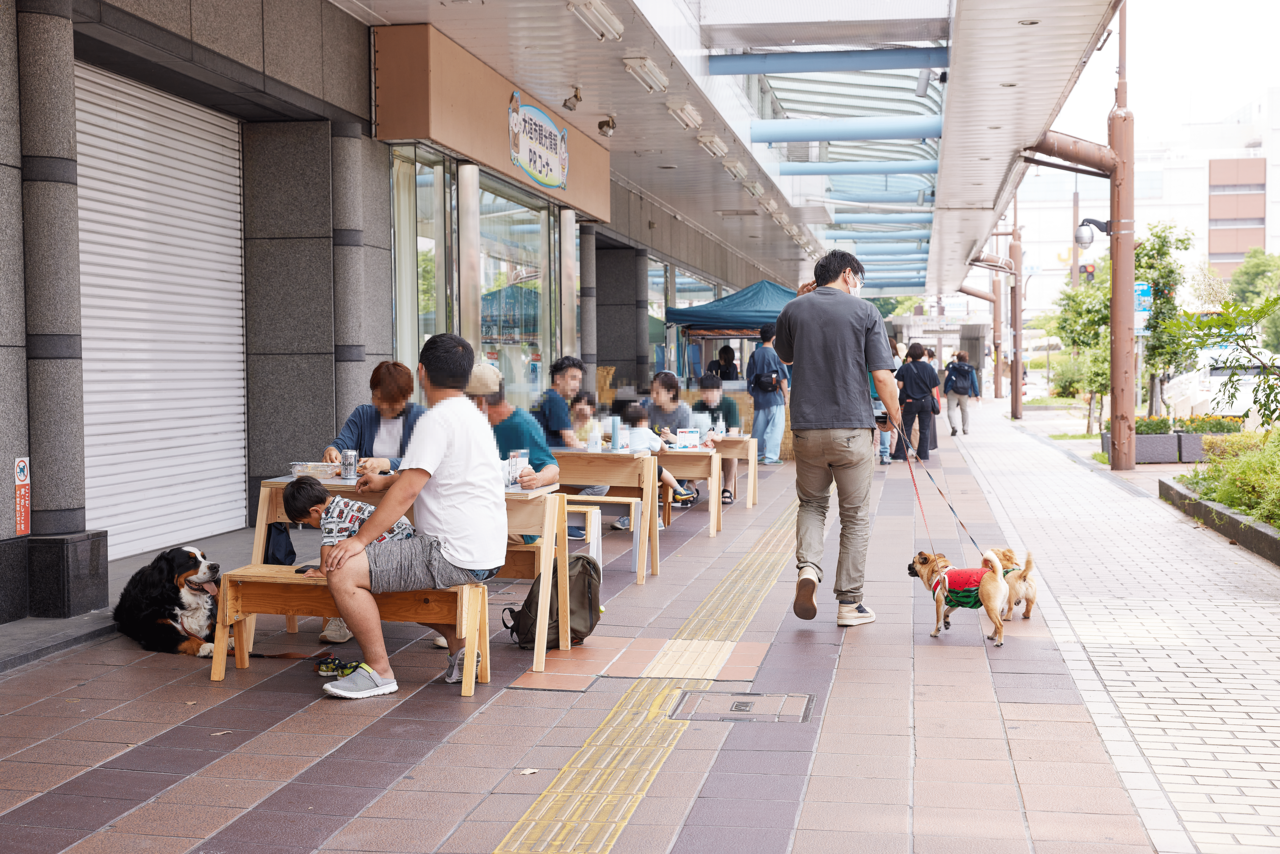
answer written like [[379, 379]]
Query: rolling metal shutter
[[162, 305]]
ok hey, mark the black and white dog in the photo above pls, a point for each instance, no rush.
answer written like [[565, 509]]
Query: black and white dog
[[172, 605]]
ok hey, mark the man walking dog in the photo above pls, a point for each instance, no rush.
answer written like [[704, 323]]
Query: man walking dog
[[833, 339]]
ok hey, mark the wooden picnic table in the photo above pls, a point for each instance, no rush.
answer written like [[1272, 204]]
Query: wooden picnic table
[[695, 464], [742, 448], [628, 474]]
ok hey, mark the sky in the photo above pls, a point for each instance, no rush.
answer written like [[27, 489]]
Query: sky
[[1189, 61]]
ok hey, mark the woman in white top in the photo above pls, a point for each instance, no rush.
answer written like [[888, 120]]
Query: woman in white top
[[380, 431]]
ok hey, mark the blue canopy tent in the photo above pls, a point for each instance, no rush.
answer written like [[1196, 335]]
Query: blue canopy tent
[[739, 315]]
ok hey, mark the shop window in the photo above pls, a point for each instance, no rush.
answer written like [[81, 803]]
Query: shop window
[[517, 316], [422, 183]]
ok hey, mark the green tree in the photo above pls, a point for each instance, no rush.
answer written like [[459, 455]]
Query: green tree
[[1097, 381], [1234, 330], [1084, 316], [1165, 350], [1255, 280], [885, 305], [1258, 276]]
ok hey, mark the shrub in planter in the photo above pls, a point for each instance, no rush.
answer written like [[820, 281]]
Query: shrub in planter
[[1209, 424], [1248, 482], [1145, 425], [1232, 445]]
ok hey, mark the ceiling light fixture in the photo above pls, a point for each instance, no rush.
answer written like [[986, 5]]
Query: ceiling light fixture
[[571, 103], [994, 127], [755, 189], [735, 168], [599, 18], [769, 206], [683, 112], [668, 166], [1029, 23], [1008, 85], [922, 83], [607, 126], [643, 69], [712, 144]]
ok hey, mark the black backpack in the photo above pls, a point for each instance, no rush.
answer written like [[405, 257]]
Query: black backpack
[[961, 383], [584, 604], [768, 383]]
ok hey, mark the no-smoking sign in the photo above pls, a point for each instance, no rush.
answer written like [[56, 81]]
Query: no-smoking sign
[[22, 495]]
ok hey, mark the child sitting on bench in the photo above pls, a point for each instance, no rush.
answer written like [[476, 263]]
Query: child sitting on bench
[[642, 437], [307, 502]]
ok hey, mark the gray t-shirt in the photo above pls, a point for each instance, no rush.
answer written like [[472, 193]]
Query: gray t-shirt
[[832, 340], [676, 419]]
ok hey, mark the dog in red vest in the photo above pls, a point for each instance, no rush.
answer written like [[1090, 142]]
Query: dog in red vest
[[953, 587]]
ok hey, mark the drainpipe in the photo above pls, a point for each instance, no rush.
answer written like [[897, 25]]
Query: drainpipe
[[997, 331], [587, 270], [1015, 318]]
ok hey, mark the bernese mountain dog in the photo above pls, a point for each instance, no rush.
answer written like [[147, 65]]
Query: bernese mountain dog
[[172, 605]]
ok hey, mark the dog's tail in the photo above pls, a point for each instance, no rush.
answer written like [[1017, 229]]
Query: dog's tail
[[1027, 566]]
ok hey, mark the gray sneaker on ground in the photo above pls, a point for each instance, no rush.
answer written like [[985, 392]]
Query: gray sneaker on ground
[[453, 673], [364, 682]]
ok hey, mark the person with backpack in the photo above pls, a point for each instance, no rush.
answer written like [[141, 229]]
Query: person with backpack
[[767, 384], [961, 384]]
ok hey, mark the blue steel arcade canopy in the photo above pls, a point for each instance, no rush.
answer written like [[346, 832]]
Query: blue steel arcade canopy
[[744, 311]]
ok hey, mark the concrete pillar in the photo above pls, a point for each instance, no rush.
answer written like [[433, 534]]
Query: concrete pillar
[[351, 374], [470, 276], [51, 251], [642, 318], [587, 294], [13, 331], [1015, 321]]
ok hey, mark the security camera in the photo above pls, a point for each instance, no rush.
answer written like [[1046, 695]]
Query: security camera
[[1084, 236], [571, 103], [607, 127]]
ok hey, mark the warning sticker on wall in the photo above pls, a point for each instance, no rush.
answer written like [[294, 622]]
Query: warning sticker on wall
[[22, 495]]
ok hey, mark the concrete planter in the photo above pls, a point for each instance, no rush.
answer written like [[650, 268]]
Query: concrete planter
[[1190, 446], [1149, 448], [1258, 537]]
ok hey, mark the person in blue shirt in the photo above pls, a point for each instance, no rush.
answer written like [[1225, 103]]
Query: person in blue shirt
[[767, 383], [552, 411], [380, 431]]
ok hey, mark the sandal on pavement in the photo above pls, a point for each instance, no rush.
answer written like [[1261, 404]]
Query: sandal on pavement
[[726, 496]]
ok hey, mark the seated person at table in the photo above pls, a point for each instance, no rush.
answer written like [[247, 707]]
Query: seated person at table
[[582, 412], [452, 477], [724, 367], [552, 412], [307, 502], [641, 437], [721, 408], [380, 432]]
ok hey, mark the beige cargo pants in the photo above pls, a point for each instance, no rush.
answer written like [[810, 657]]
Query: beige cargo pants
[[847, 458]]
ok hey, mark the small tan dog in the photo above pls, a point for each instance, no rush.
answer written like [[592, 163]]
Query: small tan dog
[[953, 587], [1022, 587]]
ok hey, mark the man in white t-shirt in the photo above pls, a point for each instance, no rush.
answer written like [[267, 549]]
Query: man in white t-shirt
[[451, 475]]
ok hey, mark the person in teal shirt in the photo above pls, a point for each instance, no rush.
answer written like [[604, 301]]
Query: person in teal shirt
[[516, 430]]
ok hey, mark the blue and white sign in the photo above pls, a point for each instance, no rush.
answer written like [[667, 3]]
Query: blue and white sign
[[1141, 306], [537, 146]]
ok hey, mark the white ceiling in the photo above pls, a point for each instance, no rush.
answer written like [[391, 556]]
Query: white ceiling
[[542, 47], [986, 125]]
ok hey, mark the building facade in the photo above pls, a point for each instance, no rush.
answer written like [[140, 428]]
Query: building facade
[[212, 231]]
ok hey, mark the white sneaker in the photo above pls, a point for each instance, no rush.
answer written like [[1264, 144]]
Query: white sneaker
[[440, 642], [804, 606], [336, 631], [854, 615]]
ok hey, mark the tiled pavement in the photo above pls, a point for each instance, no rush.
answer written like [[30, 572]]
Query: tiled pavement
[[910, 744]]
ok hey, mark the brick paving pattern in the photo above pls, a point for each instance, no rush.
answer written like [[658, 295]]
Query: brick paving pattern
[[1072, 737]]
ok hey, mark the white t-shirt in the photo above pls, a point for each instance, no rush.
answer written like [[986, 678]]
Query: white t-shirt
[[386, 443], [463, 504], [644, 438]]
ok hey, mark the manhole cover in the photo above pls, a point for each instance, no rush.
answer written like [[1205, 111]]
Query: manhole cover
[[719, 706]]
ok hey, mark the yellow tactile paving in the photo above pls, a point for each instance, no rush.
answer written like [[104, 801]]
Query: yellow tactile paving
[[593, 797]]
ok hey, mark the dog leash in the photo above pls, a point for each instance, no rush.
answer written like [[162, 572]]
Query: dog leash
[[907, 444]]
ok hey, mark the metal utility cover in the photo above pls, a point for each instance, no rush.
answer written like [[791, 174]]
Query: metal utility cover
[[765, 708]]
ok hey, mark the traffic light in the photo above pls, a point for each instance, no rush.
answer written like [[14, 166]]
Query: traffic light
[[1082, 271], [1088, 272]]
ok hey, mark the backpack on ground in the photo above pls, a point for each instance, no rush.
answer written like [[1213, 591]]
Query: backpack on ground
[[584, 605], [960, 385]]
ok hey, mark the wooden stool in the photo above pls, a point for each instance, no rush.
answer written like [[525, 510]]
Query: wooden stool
[[271, 589]]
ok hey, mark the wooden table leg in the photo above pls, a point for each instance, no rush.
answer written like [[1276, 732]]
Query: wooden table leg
[[562, 573], [752, 471], [653, 523], [220, 637], [545, 556], [666, 504], [471, 650], [242, 646], [482, 634], [291, 624], [250, 630]]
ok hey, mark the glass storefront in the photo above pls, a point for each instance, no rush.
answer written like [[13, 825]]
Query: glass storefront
[[519, 269], [425, 257]]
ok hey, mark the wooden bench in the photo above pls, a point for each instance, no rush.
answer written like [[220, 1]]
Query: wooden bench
[[272, 589], [695, 464], [632, 479]]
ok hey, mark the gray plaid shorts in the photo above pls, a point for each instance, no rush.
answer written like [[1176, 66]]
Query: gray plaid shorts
[[416, 564]]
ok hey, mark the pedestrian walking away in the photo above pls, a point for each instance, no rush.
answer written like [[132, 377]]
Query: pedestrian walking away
[[767, 383], [962, 383], [916, 381], [837, 345]]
